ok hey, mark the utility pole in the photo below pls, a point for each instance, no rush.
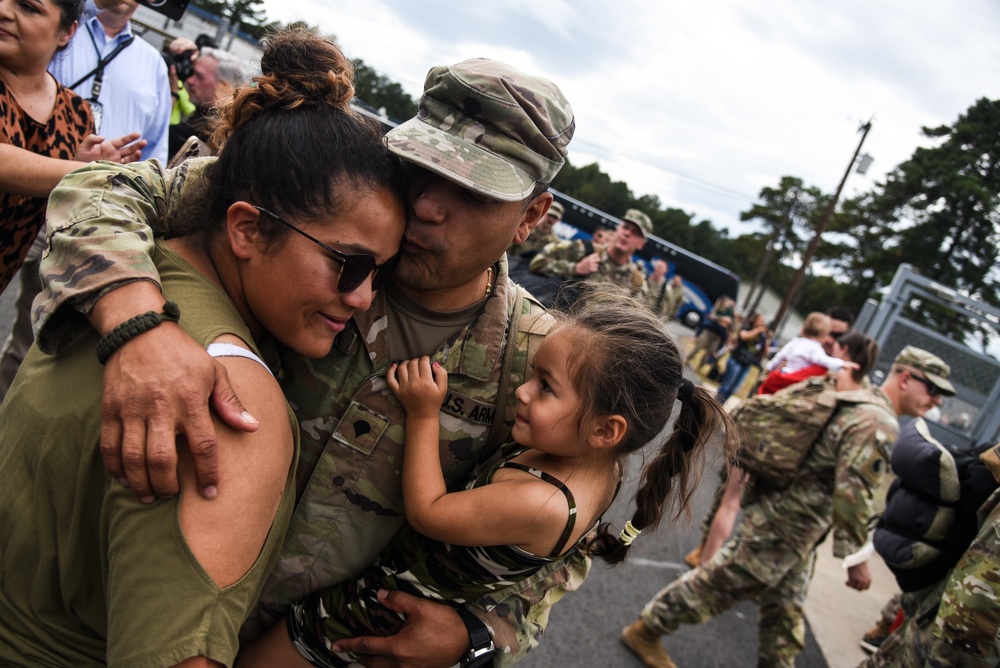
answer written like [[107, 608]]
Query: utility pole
[[765, 263], [820, 229]]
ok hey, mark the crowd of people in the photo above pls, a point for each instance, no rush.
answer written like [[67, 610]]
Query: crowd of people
[[276, 386], [87, 77]]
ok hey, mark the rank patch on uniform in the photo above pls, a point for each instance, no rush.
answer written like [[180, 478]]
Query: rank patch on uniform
[[360, 428]]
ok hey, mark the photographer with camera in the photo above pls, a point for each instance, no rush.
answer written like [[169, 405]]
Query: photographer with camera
[[179, 55], [207, 75]]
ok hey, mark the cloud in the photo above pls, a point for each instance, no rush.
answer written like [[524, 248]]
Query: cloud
[[704, 104]]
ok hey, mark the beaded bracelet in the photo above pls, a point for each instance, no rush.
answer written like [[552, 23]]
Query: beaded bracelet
[[133, 327]]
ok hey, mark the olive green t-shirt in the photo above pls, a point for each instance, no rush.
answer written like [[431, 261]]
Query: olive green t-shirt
[[88, 574]]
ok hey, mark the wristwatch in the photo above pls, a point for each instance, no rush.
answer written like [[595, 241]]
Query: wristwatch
[[483, 649]]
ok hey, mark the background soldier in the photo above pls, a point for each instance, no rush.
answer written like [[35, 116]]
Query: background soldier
[[613, 263], [772, 554], [959, 621], [671, 297], [542, 235]]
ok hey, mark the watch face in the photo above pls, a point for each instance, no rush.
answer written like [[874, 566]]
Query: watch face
[[478, 658]]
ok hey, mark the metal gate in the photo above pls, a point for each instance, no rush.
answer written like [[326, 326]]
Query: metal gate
[[968, 417]]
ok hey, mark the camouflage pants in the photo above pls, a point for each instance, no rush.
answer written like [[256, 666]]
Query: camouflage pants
[[705, 592], [903, 646], [966, 634], [707, 342]]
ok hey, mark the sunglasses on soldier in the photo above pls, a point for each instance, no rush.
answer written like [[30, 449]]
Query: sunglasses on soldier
[[354, 269], [932, 389]]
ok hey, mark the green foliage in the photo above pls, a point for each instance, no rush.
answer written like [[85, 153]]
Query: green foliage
[[589, 184], [248, 14], [938, 211], [377, 91]]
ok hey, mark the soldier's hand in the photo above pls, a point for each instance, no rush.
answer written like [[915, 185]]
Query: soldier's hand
[[433, 635], [588, 265], [859, 577], [156, 386]]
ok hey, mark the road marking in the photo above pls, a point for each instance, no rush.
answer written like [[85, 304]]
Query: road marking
[[658, 564]]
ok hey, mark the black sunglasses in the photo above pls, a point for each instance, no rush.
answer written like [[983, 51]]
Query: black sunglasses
[[354, 269], [932, 389]]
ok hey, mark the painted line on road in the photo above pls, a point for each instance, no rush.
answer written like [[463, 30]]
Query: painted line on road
[[658, 564]]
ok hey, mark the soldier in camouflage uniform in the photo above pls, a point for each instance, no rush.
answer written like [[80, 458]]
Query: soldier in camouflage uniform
[[671, 296], [450, 298], [613, 263], [542, 235], [771, 556]]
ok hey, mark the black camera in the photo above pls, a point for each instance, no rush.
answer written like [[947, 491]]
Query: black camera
[[173, 9], [182, 63]]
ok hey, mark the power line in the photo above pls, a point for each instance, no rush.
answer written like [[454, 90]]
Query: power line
[[721, 189]]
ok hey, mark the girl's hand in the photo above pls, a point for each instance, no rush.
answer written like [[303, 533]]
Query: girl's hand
[[419, 386], [124, 149], [853, 366]]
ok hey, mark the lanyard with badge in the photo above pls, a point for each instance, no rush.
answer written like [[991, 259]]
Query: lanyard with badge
[[98, 73]]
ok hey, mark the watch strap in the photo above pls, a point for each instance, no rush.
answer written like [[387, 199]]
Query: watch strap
[[483, 648]]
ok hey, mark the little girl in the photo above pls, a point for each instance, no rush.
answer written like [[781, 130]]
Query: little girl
[[605, 381], [803, 357]]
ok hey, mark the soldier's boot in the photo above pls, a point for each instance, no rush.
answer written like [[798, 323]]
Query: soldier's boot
[[693, 558], [645, 644], [876, 635]]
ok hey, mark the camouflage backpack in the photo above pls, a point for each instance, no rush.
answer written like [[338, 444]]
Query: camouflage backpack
[[777, 431]]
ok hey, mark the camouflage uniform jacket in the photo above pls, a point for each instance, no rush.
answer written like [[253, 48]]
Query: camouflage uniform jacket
[[966, 631], [560, 258], [350, 495], [671, 299], [834, 488]]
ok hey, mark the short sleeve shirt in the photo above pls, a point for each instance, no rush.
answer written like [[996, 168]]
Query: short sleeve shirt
[[21, 217]]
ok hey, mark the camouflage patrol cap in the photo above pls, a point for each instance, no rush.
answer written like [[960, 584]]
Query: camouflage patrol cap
[[641, 221], [556, 209], [489, 128], [932, 366]]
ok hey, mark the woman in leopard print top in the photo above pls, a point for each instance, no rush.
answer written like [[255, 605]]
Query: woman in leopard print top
[[39, 117]]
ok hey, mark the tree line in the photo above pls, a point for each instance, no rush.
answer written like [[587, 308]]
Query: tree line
[[937, 211]]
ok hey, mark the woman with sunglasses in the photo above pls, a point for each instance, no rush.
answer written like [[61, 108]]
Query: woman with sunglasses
[[283, 238]]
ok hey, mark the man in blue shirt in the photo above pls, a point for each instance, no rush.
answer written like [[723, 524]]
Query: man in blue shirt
[[132, 95], [133, 92]]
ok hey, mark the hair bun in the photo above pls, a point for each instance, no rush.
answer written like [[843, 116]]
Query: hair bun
[[299, 68]]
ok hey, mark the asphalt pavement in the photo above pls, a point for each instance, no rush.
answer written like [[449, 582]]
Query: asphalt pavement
[[583, 628], [7, 309]]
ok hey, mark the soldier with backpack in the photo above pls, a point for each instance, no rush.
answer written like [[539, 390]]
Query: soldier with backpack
[[786, 516]]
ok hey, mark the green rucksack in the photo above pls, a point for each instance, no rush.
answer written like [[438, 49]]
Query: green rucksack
[[778, 430]]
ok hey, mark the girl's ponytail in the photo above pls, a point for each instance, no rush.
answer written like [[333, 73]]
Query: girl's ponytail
[[672, 476]]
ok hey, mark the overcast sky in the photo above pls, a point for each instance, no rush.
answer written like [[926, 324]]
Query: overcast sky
[[703, 104]]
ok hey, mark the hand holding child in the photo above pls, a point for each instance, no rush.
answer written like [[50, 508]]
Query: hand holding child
[[419, 386]]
